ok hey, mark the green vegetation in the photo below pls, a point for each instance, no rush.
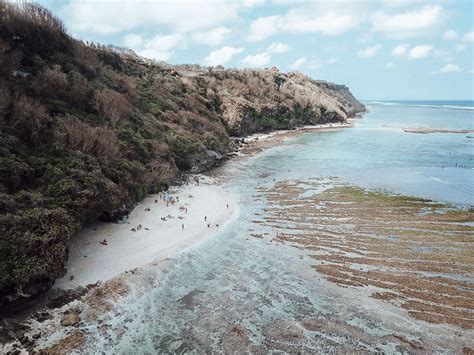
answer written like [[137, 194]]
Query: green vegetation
[[86, 129]]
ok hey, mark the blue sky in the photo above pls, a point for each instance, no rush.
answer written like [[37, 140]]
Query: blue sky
[[381, 49]]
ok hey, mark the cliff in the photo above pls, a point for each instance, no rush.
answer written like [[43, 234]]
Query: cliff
[[86, 131]]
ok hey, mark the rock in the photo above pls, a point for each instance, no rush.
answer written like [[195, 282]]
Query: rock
[[42, 316], [70, 319], [114, 216]]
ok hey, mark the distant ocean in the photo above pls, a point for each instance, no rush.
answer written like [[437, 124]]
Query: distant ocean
[[447, 104]]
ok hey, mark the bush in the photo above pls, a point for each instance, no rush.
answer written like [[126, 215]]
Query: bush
[[30, 120], [114, 106], [77, 135]]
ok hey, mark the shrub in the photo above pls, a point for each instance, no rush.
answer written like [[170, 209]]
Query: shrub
[[30, 120], [114, 106], [5, 98], [78, 135]]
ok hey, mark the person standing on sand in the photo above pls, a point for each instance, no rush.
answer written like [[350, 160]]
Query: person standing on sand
[[182, 226], [205, 218]]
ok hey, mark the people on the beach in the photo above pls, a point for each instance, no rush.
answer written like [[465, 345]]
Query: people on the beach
[[205, 218], [182, 226], [208, 225], [104, 242]]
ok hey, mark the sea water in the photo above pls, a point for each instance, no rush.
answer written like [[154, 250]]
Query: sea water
[[235, 280]]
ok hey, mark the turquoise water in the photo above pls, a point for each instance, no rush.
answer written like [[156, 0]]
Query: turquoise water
[[234, 280], [377, 153]]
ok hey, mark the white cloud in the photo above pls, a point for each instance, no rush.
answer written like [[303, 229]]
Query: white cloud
[[278, 48], [298, 63], [263, 58], [325, 18], [222, 56], [109, 16], [250, 3], [331, 23], [409, 23], [161, 47], [421, 51], [212, 37], [450, 35], [257, 60], [460, 48], [450, 68], [263, 27], [332, 60], [133, 41], [389, 64], [400, 49], [468, 37], [369, 51]]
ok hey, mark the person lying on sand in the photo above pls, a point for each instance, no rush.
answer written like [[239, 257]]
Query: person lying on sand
[[104, 242], [163, 219]]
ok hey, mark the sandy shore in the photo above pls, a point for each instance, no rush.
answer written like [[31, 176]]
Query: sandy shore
[[90, 261]]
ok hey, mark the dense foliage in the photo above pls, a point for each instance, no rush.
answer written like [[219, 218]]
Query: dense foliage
[[87, 129]]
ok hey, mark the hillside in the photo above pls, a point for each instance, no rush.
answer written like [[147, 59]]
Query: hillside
[[87, 131]]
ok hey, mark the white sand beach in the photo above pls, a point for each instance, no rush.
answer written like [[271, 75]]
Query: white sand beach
[[90, 261]]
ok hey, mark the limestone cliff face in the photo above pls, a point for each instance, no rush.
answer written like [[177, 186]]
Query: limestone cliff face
[[255, 100], [87, 131]]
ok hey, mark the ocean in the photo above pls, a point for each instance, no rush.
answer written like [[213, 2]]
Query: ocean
[[242, 290]]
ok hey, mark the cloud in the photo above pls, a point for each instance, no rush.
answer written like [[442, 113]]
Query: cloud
[[421, 51], [133, 41], [450, 68], [298, 63], [278, 48], [250, 3], [263, 27], [222, 56], [161, 47], [468, 37], [400, 49], [109, 16], [450, 35], [263, 58], [257, 60], [330, 24], [460, 48], [313, 18], [409, 23], [369, 51], [212, 37]]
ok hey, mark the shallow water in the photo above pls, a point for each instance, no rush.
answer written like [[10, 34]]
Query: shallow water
[[237, 292]]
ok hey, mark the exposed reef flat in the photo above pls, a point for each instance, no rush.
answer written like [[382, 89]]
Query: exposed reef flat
[[426, 130], [414, 254]]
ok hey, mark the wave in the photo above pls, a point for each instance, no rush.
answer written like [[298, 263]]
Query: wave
[[440, 106]]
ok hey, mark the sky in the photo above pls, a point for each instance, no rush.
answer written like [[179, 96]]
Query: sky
[[380, 49]]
